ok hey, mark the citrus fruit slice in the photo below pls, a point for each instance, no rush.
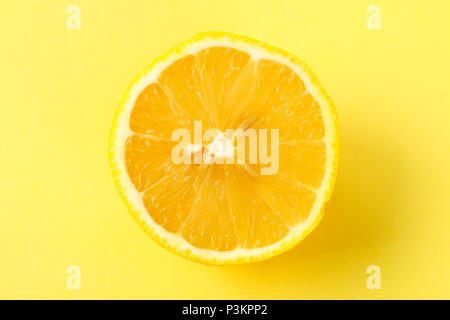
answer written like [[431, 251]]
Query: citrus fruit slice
[[208, 204]]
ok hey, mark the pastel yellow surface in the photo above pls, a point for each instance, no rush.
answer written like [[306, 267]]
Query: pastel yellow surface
[[59, 206]]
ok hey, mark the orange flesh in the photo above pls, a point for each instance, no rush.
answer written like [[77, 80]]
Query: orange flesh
[[226, 206]]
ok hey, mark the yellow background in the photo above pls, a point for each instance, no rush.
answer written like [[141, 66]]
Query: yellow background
[[59, 207]]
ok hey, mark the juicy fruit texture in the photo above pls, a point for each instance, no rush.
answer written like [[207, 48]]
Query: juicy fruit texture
[[226, 207], [220, 206]]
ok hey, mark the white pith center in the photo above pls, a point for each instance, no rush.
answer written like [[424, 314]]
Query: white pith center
[[220, 149]]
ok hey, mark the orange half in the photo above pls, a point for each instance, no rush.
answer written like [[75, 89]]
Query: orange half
[[219, 212]]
